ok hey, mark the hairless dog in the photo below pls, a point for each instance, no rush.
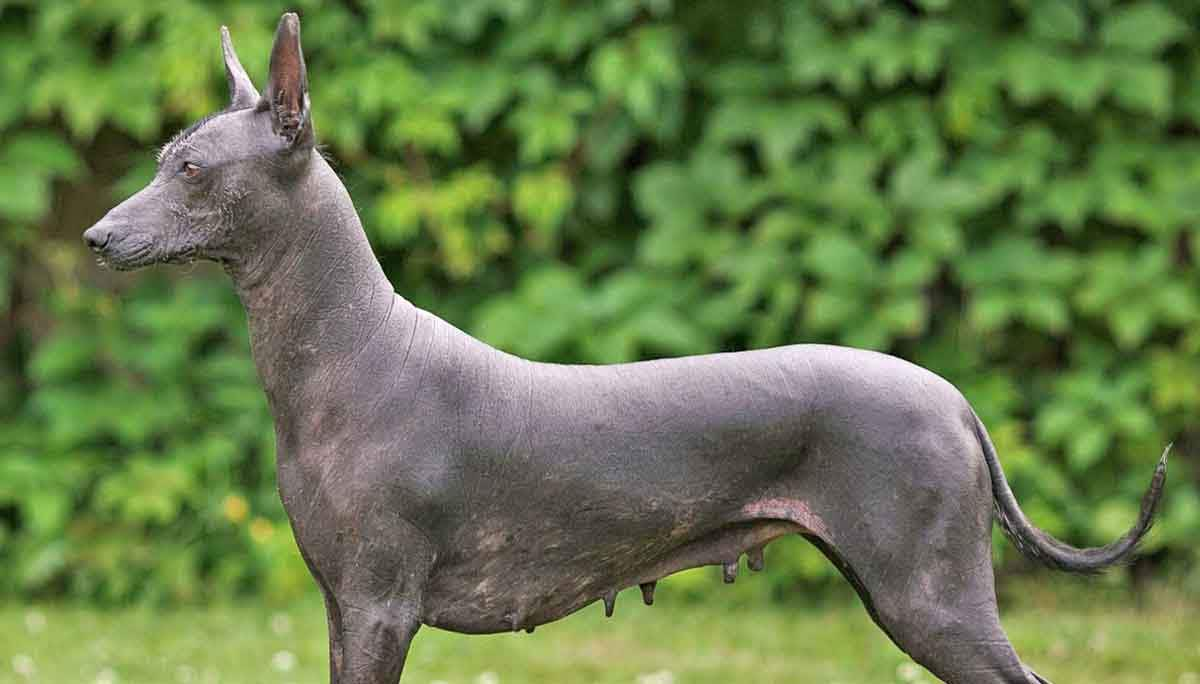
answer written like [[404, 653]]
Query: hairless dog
[[433, 480]]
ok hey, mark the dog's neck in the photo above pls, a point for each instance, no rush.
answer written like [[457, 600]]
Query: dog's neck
[[314, 292]]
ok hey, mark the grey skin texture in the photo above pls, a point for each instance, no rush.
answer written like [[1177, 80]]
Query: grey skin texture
[[433, 480]]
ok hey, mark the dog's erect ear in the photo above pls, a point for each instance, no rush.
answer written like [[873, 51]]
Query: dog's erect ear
[[242, 93], [287, 89]]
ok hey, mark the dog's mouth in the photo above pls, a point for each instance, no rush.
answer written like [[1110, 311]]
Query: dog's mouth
[[143, 258]]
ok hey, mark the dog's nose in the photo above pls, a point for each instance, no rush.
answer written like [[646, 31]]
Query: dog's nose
[[96, 237]]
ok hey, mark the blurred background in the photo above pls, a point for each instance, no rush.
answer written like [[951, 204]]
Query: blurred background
[[1007, 193]]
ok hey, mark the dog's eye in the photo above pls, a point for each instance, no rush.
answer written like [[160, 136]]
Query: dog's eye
[[190, 170]]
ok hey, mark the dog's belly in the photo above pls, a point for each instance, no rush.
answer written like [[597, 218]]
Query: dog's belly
[[516, 581]]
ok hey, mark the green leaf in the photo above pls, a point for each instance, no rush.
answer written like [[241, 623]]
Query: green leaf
[[1087, 447], [1131, 324], [1145, 27], [1046, 312], [666, 331], [1068, 201], [992, 310], [840, 259], [42, 154], [138, 177], [1141, 86], [911, 269], [46, 562], [425, 128], [1057, 20], [62, 357], [23, 196], [1113, 520], [541, 199], [665, 189], [1057, 422], [906, 315], [831, 309], [1080, 82]]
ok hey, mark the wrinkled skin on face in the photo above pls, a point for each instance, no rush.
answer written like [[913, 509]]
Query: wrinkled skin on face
[[433, 480], [193, 207]]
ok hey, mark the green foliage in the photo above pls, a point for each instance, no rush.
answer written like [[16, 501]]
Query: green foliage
[[1003, 192], [142, 462]]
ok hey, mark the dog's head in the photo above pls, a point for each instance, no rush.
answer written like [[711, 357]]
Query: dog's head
[[226, 179]]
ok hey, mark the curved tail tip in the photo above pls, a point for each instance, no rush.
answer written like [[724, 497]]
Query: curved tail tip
[[1162, 461]]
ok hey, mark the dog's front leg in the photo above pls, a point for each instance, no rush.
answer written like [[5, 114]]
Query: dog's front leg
[[368, 642], [373, 598]]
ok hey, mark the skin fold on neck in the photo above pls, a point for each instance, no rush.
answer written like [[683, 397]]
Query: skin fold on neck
[[314, 293]]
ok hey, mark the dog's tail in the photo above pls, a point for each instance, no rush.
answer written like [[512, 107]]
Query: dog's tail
[[1039, 546]]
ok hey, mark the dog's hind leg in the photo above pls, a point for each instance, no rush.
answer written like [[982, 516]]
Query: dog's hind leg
[[919, 555], [949, 624], [938, 605]]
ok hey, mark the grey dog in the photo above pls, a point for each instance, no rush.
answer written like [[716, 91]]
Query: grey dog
[[431, 479]]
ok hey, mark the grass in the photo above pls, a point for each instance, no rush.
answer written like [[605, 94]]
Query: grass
[[1082, 632]]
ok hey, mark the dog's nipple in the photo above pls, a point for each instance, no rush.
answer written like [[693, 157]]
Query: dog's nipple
[[648, 592], [754, 559]]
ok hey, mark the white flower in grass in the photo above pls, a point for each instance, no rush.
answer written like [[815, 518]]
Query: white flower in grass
[[281, 624], [35, 622], [100, 650], [24, 666], [487, 678], [106, 676], [908, 672], [283, 661], [660, 677]]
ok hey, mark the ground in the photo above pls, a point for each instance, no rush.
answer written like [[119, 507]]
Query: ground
[[1081, 631]]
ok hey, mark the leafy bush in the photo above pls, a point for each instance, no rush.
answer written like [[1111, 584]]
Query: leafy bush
[[1002, 192]]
